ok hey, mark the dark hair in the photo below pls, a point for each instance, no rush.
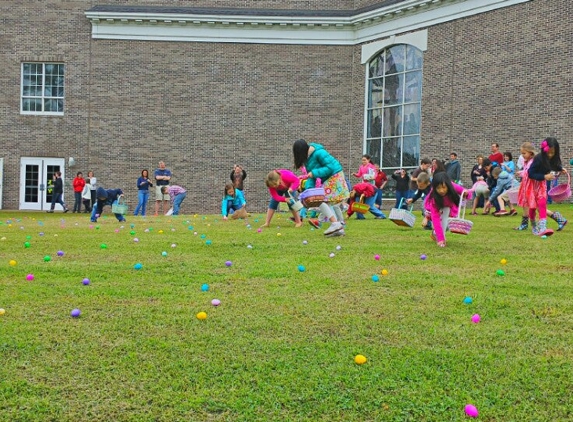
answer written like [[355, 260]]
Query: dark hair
[[300, 152], [507, 153], [426, 161], [442, 178], [78, 174], [367, 157], [143, 171], [486, 162], [454, 154], [227, 187], [440, 167], [555, 162]]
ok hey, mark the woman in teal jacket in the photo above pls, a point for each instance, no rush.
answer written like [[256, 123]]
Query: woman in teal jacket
[[321, 165]]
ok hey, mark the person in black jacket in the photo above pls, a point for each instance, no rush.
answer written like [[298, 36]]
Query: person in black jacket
[[57, 192], [402, 187], [106, 197]]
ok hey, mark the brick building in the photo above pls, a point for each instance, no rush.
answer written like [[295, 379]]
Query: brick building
[[116, 86]]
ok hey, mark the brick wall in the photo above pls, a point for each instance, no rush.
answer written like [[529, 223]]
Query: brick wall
[[503, 76]]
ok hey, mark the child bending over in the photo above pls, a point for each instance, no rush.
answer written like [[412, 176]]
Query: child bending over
[[282, 183]]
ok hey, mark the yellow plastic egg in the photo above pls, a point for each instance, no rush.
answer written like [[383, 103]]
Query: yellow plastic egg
[[360, 359], [384, 272], [12, 262], [202, 315]]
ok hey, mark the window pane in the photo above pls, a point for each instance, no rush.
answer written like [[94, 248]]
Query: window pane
[[373, 149], [411, 151], [394, 59], [45, 84], [413, 87], [376, 67], [391, 153], [413, 58], [412, 114], [394, 89], [375, 123], [376, 96], [392, 123]]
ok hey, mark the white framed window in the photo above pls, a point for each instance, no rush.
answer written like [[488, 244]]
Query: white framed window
[[42, 88]]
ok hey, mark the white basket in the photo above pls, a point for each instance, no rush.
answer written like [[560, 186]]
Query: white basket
[[402, 217]]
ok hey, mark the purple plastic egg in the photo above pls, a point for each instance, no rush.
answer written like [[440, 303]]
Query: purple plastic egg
[[215, 302], [86, 281], [75, 313], [60, 253]]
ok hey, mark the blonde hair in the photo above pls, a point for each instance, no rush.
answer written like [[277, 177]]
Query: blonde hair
[[423, 178], [528, 146], [273, 179]]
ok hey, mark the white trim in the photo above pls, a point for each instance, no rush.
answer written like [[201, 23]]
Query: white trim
[[375, 24], [418, 39]]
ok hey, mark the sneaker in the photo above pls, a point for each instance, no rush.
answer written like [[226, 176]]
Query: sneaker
[[50, 211], [513, 212], [334, 227], [500, 213], [561, 226], [66, 210], [336, 233], [314, 223]]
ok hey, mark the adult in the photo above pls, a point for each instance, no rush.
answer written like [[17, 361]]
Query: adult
[[162, 177], [454, 169], [425, 164], [321, 165], [58, 192], [496, 157], [106, 197]]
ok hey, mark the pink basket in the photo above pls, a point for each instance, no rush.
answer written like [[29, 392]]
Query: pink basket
[[561, 192], [458, 224], [513, 194]]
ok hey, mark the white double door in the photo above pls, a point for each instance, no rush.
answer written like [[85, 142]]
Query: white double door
[[36, 181]]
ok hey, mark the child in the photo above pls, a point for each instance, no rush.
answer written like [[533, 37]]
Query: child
[[57, 193], [423, 184], [78, 184], [233, 199], [504, 183], [545, 166], [508, 165], [367, 171], [106, 197], [491, 183], [369, 192], [143, 184], [380, 181], [176, 194], [321, 165], [402, 187], [282, 183], [87, 198], [238, 176], [442, 203]]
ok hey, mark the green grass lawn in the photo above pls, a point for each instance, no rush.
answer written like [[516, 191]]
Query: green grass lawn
[[281, 345]]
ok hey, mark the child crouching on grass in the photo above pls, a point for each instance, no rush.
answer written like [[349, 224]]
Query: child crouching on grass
[[423, 183], [282, 184], [442, 203], [233, 200], [177, 194], [369, 192]]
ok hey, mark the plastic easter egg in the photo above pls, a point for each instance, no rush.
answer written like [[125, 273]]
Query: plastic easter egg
[[132, 232], [384, 272], [208, 242], [132, 225], [500, 273], [259, 230], [97, 227], [228, 263], [476, 318], [97, 216], [103, 246], [12, 263], [215, 302], [202, 316], [305, 242], [60, 253], [331, 255], [2, 311], [173, 245], [47, 258], [204, 287], [203, 236], [163, 253], [86, 281], [41, 233], [190, 227], [375, 278], [278, 234], [377, 257], [468, 300], [423, 257], [338, 247], [301, 268], [360, 359], [249, 246], [138, 266], [503, 261], [135, 239], [471, 411], [26, 244], [544, 236], [30, 277], [75, 313]]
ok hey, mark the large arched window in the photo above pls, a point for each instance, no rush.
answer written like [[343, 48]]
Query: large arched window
[[394, 108]]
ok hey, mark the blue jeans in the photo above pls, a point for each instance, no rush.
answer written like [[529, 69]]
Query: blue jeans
[[177, 202], [399, 196], [98, 209], [230, 207], [371, 202], [274, 204], [142, 196], [378, 197], [57, 199]]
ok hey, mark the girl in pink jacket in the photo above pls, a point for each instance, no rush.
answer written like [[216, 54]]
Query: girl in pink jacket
[[282, 185], [442, 203]]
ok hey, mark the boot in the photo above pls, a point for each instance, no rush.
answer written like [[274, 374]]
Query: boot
[[561, 221], [524, 224], [534, 228], [542, 229]]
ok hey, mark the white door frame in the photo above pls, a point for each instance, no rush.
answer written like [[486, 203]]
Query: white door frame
[[34, 175], [1, 179]]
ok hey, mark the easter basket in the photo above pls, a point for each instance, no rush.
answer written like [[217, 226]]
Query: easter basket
[[512, 194], [294, 203], [119, 206], [312, 197], [402, 217], [360, 207], [459, 224], [561, 192]]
